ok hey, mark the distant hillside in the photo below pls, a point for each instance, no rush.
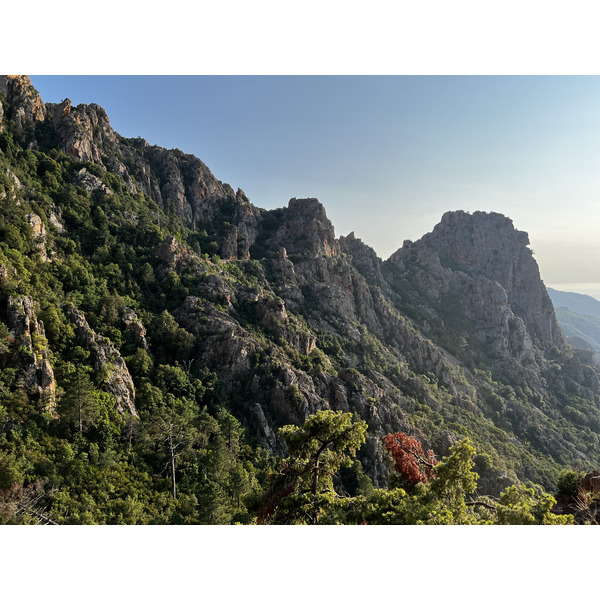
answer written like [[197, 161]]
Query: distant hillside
[[579, 317], [582, 331], [577, 303]]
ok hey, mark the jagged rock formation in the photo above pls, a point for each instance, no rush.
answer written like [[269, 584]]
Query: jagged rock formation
[[84, 130], [91, 183], [480, 267], [170, 177], [39, 234], [15, 185], [306, 230], [25, 104], [107, 361], [132, 323], [28, 332], [486, 245]]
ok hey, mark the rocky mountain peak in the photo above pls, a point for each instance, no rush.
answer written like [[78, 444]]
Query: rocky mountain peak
[[487, 247], [24, 103], [84, 129], [307, 229], [479, 241], [494, 248]]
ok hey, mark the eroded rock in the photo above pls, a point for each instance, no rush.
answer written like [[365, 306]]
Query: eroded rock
[[107, 360], [25, 104], [39, 234], [91, 183], [135, 326], [28, 331]]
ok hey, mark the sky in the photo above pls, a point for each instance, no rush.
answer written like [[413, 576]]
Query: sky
[[386, 155]]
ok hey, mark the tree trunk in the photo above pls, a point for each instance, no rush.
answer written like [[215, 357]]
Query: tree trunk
[[173, 466], [79, 405]]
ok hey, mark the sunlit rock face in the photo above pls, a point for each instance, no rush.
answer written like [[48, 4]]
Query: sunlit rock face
[[28, 332], [25, 104]]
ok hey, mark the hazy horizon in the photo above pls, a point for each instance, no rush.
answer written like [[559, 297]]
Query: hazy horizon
[[588, 288], [387, 156]]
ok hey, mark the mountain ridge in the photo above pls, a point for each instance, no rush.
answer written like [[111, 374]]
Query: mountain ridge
[[583, 304], [160, 282]]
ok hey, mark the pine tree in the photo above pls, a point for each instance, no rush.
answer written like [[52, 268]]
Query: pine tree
[[79, 406]]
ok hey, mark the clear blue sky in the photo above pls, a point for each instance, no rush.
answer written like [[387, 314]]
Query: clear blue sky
[[387, 156]]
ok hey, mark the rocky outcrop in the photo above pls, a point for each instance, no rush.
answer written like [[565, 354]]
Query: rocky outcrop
[[273, 317], [264, 431], [90, 182], [175, 256], [487, 246], [303, 229], [226, 347], [21, 316], [39, 234], [55, 219], [16, 181], [187, 184], [28, 332], [84, 130], [170, 251], [107, 362], [214, 288], [364, 260], [25, 105], [133, 324], [480, 277], [170, 177]]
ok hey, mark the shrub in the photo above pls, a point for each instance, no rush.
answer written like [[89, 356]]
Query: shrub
[[568, 482]]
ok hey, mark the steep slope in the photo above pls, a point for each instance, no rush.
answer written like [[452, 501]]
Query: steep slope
[[159, 282], [482, 265]]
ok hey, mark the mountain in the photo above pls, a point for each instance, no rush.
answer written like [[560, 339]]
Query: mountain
[[160, 329], [579, 317], [582, 331], [577, 303]]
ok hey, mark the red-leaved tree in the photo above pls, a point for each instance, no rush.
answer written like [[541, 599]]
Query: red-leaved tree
[[410, 460]]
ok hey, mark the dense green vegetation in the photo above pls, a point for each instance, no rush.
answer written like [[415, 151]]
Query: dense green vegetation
[[90, 315], [186, 459]]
